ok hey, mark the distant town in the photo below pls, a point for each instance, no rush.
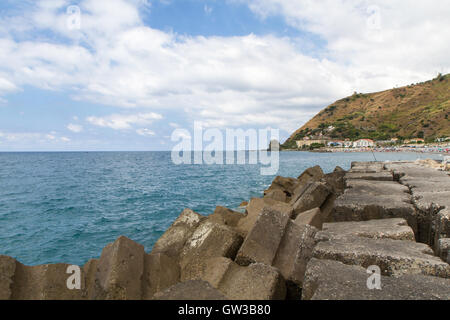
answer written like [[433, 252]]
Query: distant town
[[327, 144]]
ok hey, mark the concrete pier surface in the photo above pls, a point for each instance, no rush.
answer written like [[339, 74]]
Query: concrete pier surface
[[380, 230]]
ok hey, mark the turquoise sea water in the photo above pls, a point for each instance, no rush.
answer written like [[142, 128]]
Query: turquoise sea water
[[65, 207]]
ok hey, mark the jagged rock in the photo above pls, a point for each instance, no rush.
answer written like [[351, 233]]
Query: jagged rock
[[396, 229], [311, 217], [7, 271], [45, 282], [264, 238], [287, 185], [328, 207], [367, 200], [226, 216], [310, 175], [332, 280], [277, 195], [378, 176], [444, 249], [209, 240], [160, 272], [172, 241], [190, 290], [119, 271], [394, 257], [294, 252], [254, 209], [312, 196]]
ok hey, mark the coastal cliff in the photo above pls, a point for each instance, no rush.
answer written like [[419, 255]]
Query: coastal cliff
[[310, 237]]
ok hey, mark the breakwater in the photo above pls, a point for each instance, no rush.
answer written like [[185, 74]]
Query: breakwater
[[310, 237]]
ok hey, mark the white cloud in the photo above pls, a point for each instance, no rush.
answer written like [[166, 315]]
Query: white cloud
[[145, 132], [75, 127], [124, 121], [114, 59]]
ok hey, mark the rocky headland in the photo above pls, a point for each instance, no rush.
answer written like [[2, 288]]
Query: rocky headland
[[311, 237]]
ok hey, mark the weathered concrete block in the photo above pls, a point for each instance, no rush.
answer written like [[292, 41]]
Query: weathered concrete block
[[255, 282], [7, 271], [444, 249], [90, 272], [394, 257], [310, 175], [333, 280], [45, 282], [368, 167], [379, 176], [172, 241], [442, 225], [212, 270], [119, 271], [160, 272], [311, 217], [336, 180], [190, 290], [264, 238], [277, 195], [294, 252], [226, 216], [368, 200], [255, 208], [287, 185], [396, 229], [313, 196], [209, 240]]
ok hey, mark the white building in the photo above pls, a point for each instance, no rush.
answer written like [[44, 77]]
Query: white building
[[363, 143]]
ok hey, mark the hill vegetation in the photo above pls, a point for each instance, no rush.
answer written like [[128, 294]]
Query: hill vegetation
[[415, 111]]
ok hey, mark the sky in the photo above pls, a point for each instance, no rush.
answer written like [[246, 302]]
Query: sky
[[86, 75]]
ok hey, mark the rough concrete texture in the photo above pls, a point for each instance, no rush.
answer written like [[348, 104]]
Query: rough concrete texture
[[332, 280], [378, 176], [172, 241], [255, 208], [310, 175], [294, 252], [226, 216], [444, 249], [368, 167], [160, 272], [44, 282], [312, 196], [190, 290], [119, 271], [209, 240], [287, 185], [277, 195], [394, 257], [255, 282], [335, 180], [311, 217], [367, 200], [7, 271], [264, 238], [396, 229]]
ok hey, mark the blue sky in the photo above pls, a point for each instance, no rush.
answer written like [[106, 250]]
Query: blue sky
[[135, 70]]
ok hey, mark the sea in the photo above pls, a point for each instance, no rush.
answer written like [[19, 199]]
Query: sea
[[66, 207]]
